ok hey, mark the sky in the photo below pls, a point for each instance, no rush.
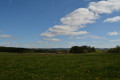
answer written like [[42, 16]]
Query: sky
[[59, 23]]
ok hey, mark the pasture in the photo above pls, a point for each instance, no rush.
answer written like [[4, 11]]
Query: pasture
[[34, 66]]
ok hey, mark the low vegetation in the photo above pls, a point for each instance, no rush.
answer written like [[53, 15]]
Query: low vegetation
[[71, 64], [102, 66]]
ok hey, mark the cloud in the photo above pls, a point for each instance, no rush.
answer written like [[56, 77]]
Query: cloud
[[41, 42], [114, 19], [52, 39], [90, 36], [8, 44], [115, 40], [73, 22], [105, 6], [63, 30], [79, 17], [113, 33], [5, 36]]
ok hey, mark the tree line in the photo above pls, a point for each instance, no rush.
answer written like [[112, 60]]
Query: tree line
[[114, 50], [27, 50], [74, 49], [88, 49]]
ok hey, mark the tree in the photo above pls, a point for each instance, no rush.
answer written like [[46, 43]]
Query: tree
[[114, 50], [74, 49], [82, 49]]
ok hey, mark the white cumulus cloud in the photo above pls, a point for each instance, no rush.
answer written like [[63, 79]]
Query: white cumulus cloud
[[63, 30], [79, 17], [105, 6], [73, 22], [114, 19]]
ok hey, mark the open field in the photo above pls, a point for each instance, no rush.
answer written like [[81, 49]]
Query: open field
[[100, 66]]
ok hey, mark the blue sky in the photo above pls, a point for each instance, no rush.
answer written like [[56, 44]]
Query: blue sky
[[59, 23]]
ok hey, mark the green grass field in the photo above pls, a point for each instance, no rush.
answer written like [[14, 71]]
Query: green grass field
[[59, 66]]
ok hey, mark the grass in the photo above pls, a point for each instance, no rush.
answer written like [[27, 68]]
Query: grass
[[100, 66]]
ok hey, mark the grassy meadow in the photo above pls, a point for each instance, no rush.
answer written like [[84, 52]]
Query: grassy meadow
[[34, 66]]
